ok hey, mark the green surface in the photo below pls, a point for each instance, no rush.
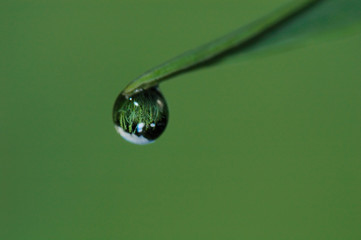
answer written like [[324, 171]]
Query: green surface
[[264, 149]]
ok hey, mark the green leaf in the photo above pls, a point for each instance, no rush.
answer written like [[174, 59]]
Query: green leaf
[[297, 22]]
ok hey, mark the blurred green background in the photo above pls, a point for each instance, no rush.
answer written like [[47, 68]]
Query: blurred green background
[[264, 149]]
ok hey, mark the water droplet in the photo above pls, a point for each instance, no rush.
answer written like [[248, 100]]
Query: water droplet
[[141, 118]]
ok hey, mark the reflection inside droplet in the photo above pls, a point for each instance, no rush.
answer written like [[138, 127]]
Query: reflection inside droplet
[[141, 118]]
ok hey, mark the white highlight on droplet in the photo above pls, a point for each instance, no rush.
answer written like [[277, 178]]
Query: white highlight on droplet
[[140, 140], [140, 127], [136, 104], [160, 103]]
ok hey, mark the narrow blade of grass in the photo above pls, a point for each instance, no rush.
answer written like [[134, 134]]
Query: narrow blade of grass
[[297, 22]]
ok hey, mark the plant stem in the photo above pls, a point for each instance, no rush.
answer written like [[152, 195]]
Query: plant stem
[[218, 47]]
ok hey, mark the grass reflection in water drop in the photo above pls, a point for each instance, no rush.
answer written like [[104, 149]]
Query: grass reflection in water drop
[[142, 117]]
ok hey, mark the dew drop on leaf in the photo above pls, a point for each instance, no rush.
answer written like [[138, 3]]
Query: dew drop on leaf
[[142, 117]]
